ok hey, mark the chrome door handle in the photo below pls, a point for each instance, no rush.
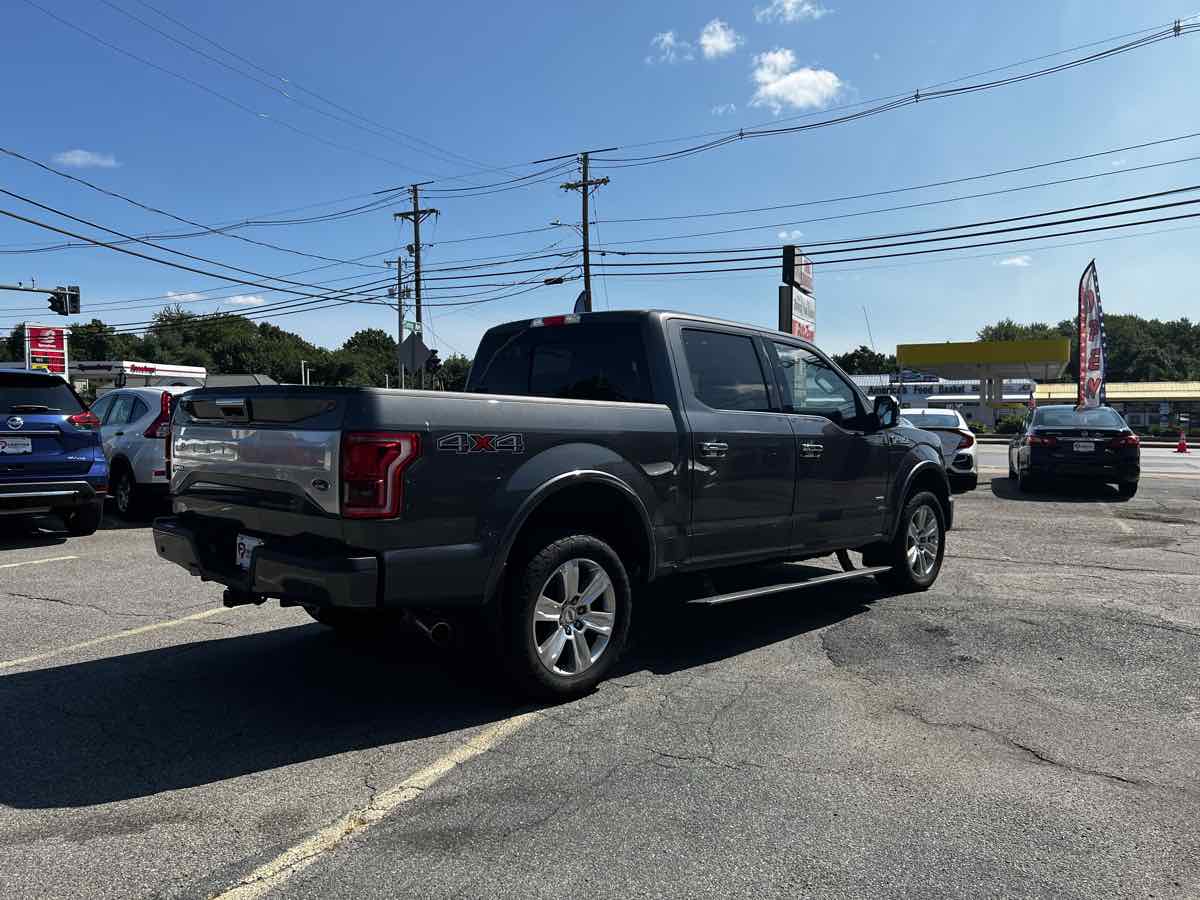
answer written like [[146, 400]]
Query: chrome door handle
[[713, 449], [811, 451]]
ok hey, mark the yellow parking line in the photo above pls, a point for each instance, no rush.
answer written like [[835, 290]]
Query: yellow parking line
[[109, 638], [295, 859], [36, 562]]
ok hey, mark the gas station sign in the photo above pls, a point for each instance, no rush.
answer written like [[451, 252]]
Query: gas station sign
[[46, 348]]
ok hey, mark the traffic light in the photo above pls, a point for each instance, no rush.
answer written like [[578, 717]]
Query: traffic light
[[64, 300], [432, 363]]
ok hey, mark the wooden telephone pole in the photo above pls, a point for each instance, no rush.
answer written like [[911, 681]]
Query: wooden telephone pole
[[584, 186], [416, 215]]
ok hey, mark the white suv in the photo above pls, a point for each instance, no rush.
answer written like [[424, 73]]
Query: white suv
[[135, 427], [958, 443]]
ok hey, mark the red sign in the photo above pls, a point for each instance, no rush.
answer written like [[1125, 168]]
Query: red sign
[[1091, 340], [46, 348]]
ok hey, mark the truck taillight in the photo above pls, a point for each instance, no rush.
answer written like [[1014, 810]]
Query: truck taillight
[[86, 420], [161, 426], [372, 472], [570, 319]]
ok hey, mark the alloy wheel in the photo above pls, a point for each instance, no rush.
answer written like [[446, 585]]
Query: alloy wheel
[[922, 542], [573, 617]]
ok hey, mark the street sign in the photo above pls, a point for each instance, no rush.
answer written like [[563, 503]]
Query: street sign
[[413, 352], [46, 348], [797, 312]]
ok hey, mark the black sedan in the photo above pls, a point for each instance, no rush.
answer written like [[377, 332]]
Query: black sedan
[[1065, 442]]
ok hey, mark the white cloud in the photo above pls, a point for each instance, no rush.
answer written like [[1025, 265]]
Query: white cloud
[[86, 159], [791, 11], [670, 49], [724, 109], [875, 56], [793, 235], [781, 84], [1023, 261], [246, 300], [1117, 163], [184, 296], [717, 39]]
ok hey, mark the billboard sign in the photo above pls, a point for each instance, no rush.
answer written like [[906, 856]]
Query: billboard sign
[[46, 348], [797, 312], [797, 269]]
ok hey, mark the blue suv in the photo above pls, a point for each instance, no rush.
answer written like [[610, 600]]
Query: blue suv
[[51, 458]]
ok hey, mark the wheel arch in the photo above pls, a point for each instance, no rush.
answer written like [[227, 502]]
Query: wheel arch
[[924, 475], [590, 501]]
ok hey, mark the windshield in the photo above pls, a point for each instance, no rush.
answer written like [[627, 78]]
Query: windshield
[[933, 419], [22, 393], [1069, 417]]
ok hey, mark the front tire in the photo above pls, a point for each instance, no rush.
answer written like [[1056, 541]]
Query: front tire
[[567, 617], [920, 544], [85, 520]]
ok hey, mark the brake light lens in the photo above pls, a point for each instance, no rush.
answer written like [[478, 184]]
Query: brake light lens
[[570, 319], [86, 420], [1125, 440], [1043, 440], [372, 472], [966, 439], [161, 426]]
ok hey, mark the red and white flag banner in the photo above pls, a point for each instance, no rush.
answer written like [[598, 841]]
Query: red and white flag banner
[[1091, 340]]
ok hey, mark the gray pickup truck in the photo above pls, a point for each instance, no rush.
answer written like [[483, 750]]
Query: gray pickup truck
[[590, 454]]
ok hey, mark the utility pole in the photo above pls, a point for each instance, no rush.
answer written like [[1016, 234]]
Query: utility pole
[[397, 293], [415, 215], [584, 186]]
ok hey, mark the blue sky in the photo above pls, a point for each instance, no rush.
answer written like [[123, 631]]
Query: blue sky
[[503, 84]]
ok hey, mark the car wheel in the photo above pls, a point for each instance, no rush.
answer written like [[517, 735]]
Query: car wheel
[[125, 494], [1026, 483], [85, 520], [1012, 473], [1127, 488], [567, 614], [916, 552]]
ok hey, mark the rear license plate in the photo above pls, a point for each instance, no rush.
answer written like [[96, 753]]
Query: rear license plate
[[16, 445], [1085, 447], [245, 550]]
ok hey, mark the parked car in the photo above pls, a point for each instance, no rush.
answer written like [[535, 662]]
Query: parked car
[[135, 429], [50, 455], [1064, 442], [589, 453], [958, 443]]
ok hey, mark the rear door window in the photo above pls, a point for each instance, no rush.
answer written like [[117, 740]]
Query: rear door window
[[119, 414], [100, 407], [725, 370], [139, 409], [22, 393]]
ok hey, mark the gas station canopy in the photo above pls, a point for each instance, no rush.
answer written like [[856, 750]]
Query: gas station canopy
[[1040, 360]]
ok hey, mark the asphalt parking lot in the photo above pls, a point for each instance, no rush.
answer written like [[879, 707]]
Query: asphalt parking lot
[[1030, 727]]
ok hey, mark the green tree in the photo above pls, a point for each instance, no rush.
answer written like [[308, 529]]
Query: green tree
[[452, 374], [865, 361]]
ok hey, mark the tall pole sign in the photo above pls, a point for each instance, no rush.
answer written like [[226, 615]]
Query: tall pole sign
[[797, 303], [46, 348]]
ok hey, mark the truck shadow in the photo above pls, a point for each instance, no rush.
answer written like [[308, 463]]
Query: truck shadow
[[175, 717], [1060, 492]]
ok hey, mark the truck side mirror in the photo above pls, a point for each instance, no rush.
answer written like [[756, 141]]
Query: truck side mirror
[[887, 412]]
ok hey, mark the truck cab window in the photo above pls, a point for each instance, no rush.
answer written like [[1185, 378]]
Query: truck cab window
[[811, 387], [725, 370]]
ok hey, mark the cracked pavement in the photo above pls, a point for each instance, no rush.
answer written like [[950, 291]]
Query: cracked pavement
[[1028, 728]]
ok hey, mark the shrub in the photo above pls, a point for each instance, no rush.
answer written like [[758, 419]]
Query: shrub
[[1009, 425]]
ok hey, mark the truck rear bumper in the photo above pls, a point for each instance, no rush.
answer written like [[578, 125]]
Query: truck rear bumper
[[345, 581]]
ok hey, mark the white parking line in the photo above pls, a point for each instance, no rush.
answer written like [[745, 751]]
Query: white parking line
[[37, 562], [109, 638], [295, 859]]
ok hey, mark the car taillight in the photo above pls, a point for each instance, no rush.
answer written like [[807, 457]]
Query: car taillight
[[1125, 440], [161, 426], [1043, 440], [966, 439], [372, 472], [86, 420]]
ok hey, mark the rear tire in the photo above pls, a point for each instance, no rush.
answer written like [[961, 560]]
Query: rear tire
[[916, 552], [85, 520], [1026, 483], [1127, 488], [566, 616], [127, 497]]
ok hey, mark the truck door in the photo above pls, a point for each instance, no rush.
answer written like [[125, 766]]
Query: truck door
[[742, 455], [842, 460]]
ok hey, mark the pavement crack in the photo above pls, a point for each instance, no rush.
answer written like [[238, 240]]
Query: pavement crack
[[80, 605], [1028, 750]]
